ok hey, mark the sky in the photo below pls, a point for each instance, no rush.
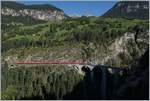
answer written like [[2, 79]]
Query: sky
[[94, 8]]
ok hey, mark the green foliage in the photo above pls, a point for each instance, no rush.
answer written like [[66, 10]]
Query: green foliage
[[27, 20], [10, 93], [73, 34], [72, 30], [57, 81]]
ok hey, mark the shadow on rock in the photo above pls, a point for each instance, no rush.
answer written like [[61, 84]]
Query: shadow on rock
[[100, 84]]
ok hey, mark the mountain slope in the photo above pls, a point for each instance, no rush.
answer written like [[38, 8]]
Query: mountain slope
[[107, 41], [40, 12], [15, 5], [129, 9]]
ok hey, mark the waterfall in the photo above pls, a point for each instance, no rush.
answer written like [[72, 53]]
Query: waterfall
[[92, 76], [103, 83], [115, 80]]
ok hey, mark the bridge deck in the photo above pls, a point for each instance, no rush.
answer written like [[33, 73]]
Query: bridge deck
[[50, 62], [58, 62]]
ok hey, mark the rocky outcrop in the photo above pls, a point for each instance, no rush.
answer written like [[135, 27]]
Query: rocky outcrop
[[129, 9], [136, 85], [36, 13], [126, 50]]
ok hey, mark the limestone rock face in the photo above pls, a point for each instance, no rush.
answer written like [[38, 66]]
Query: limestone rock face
[[37, 14], [42, 13], [129, 9]]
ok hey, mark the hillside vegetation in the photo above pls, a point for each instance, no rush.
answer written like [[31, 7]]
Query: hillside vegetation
[[90, 35], [85, 38]]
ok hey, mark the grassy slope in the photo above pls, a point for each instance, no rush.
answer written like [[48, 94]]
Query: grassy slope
[[63, 40]]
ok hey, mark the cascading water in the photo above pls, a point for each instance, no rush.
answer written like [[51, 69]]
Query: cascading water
[[103, 83]]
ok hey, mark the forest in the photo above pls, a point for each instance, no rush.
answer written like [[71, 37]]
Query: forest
[[58, 82]]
